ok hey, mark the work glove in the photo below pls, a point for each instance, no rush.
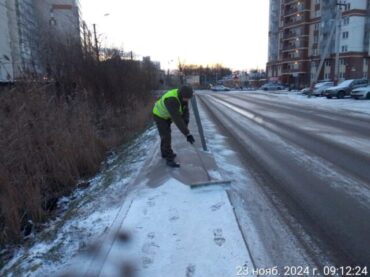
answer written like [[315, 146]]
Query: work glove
[[190, 139]]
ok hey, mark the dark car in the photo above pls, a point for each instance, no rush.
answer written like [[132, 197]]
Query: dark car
[[345, 88]]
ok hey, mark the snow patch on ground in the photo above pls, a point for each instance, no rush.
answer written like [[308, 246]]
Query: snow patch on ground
[[84, 216]]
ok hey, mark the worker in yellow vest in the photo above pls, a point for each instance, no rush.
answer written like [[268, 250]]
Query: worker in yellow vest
[[172, 107]]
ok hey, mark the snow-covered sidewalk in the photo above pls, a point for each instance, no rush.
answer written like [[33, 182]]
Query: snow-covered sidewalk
[[173, 229], [177, 231]]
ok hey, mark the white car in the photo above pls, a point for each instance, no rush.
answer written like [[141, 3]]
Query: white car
[[305, 90], [272, 86], [220, 88], [319, 88], [363, 93]]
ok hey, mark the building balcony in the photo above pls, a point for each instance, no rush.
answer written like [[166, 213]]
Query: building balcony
[[289, 2], [295, 70], [294, 47], [294, 11], [295, 56], [292, 35], [290, 23]]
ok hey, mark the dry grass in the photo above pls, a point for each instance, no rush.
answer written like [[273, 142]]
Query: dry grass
[[48, 142], [53, 134]]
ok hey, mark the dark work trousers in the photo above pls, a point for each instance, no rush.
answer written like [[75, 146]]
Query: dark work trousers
[[164, 129]]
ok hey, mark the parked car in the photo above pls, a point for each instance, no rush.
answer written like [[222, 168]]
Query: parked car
[[220, 88], [305, 90], [319, 88], [272, 86], [345, 88], [363, 93]]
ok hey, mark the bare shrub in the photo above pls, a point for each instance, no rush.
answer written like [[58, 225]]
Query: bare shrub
[[53, 133]]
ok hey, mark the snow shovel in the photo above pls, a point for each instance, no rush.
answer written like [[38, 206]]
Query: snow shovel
[[209, 181]]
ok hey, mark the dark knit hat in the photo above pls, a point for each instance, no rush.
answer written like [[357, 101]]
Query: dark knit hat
[[186, 92]]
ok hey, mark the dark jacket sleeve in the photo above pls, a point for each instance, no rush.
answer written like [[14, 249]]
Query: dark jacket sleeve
[[173, 106], [185, 115]]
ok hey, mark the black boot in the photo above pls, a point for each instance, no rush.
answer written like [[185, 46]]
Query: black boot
[[172, 156], [172, 163]]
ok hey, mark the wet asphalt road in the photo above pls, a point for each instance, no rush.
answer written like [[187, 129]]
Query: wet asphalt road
[[316, 160]]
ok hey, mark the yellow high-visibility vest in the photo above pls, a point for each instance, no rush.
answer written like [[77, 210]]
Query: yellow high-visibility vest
[[160, 108]]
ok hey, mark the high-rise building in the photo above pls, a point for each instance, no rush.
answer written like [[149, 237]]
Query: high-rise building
[[300, 32], [23, 26], [62, 16], [6, 68]]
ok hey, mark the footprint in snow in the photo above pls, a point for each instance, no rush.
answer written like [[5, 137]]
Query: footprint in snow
[[149, 248], [190, 270], [150, 203], [174, 214], [153, 197], [147, 262], [217, 206], [218, 238], [151, 235]]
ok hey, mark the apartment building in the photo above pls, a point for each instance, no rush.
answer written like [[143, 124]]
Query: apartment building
[[301, 30], [6, 69], [62, 16], [23, 25]]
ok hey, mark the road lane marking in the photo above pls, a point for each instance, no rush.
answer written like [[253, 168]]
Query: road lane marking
[[249, 115]]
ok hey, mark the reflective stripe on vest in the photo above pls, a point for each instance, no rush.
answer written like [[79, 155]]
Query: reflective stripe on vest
[[160, 108]]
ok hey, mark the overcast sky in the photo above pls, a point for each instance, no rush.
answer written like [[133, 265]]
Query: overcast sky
[[233, 32]]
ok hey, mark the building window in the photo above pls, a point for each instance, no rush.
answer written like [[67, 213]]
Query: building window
[[317, 13], [317, 26], [327, 63], [346, 20], [341, 61], [345, 35], [300, 6], [317, 1], [344, 48], [347, 7]]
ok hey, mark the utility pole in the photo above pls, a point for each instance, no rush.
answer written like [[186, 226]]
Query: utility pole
[[337, 40], [96, 43]]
